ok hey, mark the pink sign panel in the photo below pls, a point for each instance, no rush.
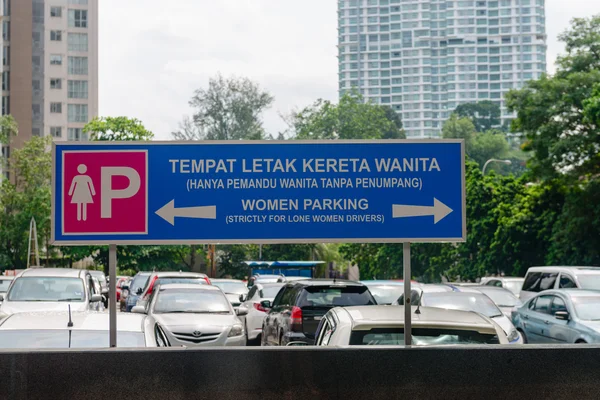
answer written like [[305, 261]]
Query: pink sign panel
[[105, 192]]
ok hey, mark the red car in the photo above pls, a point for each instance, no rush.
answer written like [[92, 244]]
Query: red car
[[120, 282]]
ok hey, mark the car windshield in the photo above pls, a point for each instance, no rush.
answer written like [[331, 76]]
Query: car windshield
[[190, 280], [587, 308], [457, 301], [513, 286], [269, 292], [138, 282], [47, 289], [192, 301], [589, 281], [502, 298], [4, 284], [231, 287], [420, 337], [386, 294], [60, 339], [336, 296]]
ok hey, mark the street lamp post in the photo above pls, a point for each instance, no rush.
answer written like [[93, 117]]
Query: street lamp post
[[491, 160]]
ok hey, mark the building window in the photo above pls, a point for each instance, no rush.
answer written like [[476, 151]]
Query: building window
[[36, 110], [56, 12], [56, 131], [78, 65], [78, 90], [78, 113], [6, 30], [78, 19], [35, 84], [78, 42], [5, 105], [56, 108], [56, 36], [79, 2], [55, 83], [76, 134], [6, 7], [55, 59], [5, 80]]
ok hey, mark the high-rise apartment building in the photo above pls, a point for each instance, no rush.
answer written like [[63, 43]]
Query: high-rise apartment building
[[50, 66], [425, 57]]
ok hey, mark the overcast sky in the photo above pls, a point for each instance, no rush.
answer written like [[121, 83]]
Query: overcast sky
[[154, 54]]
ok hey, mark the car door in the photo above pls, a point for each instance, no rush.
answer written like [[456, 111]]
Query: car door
[[282, 324], [538, 322], [269, 334], [562, 331]]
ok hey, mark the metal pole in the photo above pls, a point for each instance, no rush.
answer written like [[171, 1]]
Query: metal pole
[[112, 293], [407, 306], [260, 252]]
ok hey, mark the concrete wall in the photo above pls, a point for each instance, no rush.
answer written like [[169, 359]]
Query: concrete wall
[[528, 372]]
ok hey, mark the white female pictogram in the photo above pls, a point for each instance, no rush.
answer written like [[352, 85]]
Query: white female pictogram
[[81, 192]]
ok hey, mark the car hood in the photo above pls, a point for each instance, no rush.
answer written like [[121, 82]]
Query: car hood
[[196, 320], [11, 307], [504, 323]]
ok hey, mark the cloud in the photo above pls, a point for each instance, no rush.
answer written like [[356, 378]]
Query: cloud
[[154, 54]]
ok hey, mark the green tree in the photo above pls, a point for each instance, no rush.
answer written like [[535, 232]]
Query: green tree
[[351, 118], [117, 129], [459, 128], [229, 109], [485, 115], [8, 128]]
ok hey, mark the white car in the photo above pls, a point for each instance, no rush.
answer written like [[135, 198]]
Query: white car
[[513, 284], [539, 279], [256, 312], [384, 326], [472, 300], [52, 289], [233, 289], [41, 330], [194, 315]]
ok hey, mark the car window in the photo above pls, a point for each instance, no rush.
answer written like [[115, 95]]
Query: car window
[[532, 304], [542, 305], [558, 304], [269, 292], [322, 329], [289, 298], [548, 280], [532, 282], [277, 300], [336, 296], [386, 294], [139, 281], [47, 289], [191, 301], [566, 282], [491, 283], [420, 337], [90, 286], [252, 292]]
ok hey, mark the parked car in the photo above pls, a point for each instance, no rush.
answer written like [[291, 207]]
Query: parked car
[[415, 294], [284, 278], [168, 277], [560, 316], [123, 291], [194, 315], [387, 292], [539, 279], [511, 283], [258, 278], [384, 326], [103, 284], [43, 330], [135, 289], [52, 289], [503, 298], [256, 312], [5, 282], [473, 301], [232, 288], [298, 308], [119, 286]]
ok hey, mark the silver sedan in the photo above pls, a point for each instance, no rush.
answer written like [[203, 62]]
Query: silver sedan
[[194, 315]]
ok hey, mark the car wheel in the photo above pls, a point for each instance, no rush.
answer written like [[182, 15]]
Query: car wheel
[[523, 336], [581, 342]]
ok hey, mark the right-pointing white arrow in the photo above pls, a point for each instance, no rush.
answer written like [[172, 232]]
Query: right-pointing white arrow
[[439, 211], [168, 212]]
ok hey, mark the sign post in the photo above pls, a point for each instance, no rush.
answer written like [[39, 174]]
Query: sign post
[[112, 293], [406, 276], [258, 192]]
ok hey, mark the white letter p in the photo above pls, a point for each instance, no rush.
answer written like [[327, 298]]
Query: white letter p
[[108, 194]]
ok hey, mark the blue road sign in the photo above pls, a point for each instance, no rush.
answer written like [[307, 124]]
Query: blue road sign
[[258, 192]]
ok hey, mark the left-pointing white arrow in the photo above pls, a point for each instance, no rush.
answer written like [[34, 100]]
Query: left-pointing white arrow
[[168, 212], [439, 211]]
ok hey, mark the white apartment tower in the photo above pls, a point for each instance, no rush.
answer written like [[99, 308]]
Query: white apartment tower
[[425, 57], [50, 66]]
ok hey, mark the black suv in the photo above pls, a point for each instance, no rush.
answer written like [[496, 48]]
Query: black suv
[[297, 309]]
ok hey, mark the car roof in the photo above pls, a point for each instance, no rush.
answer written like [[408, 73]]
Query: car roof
[[228, 280], [186, 286], [382, 283], [53, 272], [367, 317], [173, 274], [575, 269], [81, 321], [462, 293], [96, 272], [506, 278], [269, 284], [325, 282]]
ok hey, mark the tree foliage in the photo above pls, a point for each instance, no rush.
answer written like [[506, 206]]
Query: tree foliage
[[484, 115], [117, 129]]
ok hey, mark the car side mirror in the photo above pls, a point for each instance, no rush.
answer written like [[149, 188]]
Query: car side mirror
[[139, 310], [241, 311], [139, 291], [242, 298], [96, 297], [296, 344], [1, 297], [266, 304], [562, 315]]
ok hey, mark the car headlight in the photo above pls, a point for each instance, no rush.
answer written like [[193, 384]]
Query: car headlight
[[236, 330], [513, 336]]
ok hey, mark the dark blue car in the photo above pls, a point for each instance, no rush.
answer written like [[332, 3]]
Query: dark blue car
[[135, 289]]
